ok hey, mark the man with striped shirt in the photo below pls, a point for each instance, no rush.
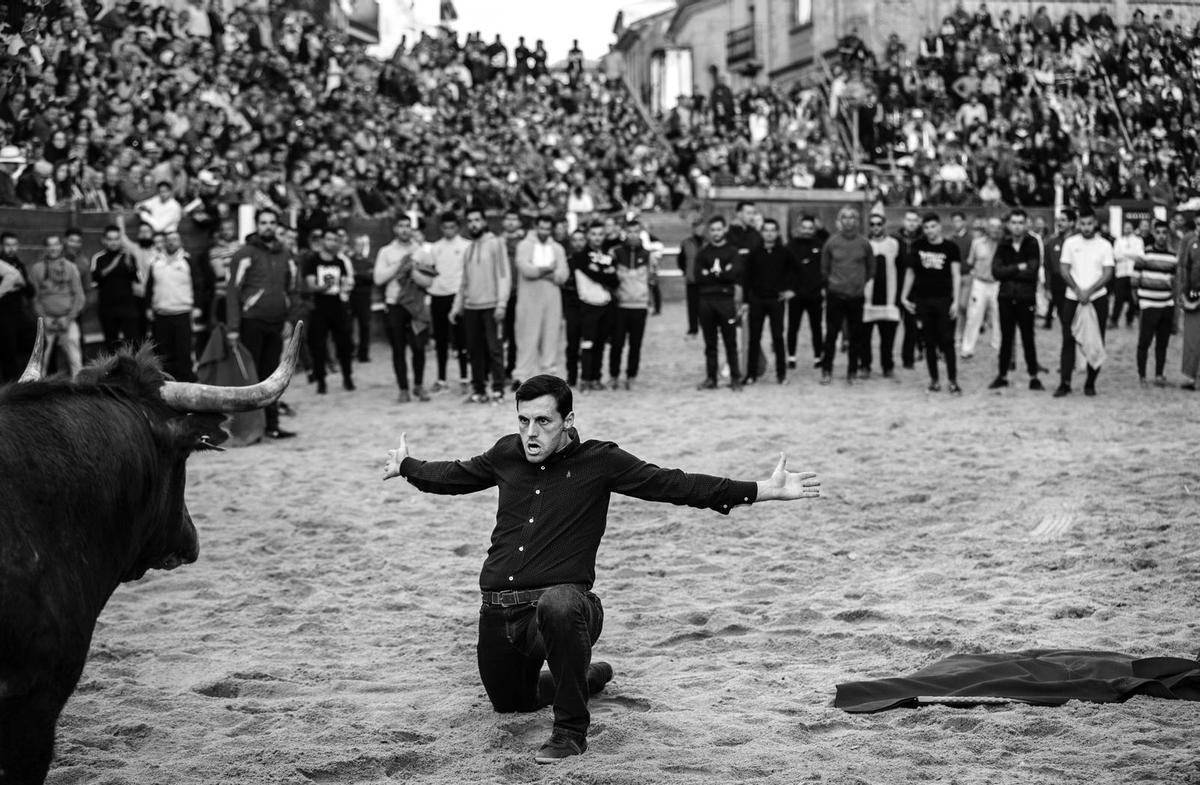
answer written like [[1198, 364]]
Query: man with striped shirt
[[1154, 282]]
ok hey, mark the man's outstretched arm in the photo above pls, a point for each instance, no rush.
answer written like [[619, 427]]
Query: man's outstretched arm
[[446, 477]]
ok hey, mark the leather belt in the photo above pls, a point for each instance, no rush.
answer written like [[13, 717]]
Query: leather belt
[[511, 597]]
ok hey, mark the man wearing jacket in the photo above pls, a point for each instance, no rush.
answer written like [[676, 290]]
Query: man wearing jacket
[[771, 272], [482, 302], [633, 265], [595, 281], [1015, 265], [720, 271], [912, 344], [114, 273], [262, 285], [405, 271], [541, 272], [688, 249], [806, 248], [175, 287]]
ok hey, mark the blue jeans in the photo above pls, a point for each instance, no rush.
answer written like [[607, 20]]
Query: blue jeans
[[560, 628]]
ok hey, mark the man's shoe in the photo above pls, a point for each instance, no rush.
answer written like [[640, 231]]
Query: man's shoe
[[476, 398], [497, 397], [826, 378], [420, 394], [405, 397], [1189, 385], [749, 380], [1036, 384], [1063, 389], [1089, 389], [865, 374], [439, 385], [707, 384], [792, 363], [279, 433], [888, 373], [348, 384], [321, 388], [781, 378], [997, 383], [955, 389], [818, 360], [560, 746], [935, 387], [1161, 381]]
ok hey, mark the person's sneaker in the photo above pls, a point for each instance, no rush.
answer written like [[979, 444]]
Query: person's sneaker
[[1189, 385], [1161, 381], [997, 383], [560, 746], [736, 386], [1089, 389], [439, 385], [321, 388], [348, 384], [818, 360], [405, 397], [1036, 384], [476, 398], [279, 433], [955, 389], [749, 380], [614, 383], [935, 387], [826, 378], [420, 394], [792, 363], [707, 384], [782, 379], [1063, 389], [497, 397]]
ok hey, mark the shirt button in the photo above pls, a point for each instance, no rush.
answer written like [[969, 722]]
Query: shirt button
[[543, 468], [538, 491], [531, 520], [745, 498], [522, 549], [510, 577]]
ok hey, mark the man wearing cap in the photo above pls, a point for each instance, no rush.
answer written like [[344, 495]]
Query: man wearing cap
[[10, 160]]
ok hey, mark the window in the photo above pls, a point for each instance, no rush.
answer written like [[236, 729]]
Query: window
[[803, 12]]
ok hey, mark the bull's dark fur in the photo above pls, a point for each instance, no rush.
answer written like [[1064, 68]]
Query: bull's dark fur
[[92, 474]]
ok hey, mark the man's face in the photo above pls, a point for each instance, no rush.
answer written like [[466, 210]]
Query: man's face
[[266, 226], [716, 232], [806, 230], [450, 229], [995, 230], [912, 222], [10, 246], [54, 248], [332, 243], [74, 243], [610, 228], [402, 230], [172, 241], [876, 227], [476, 224], [543, 429], [227, 232], [512, 224], [1162, 236], [848, 222], [595, 236], [746, 215], [633, 236], [543, 229], [1087, 226], [112, 241], [959, 223], [1017, 226], [164, 193], [933, 231], [1061, 224], [770, 233]]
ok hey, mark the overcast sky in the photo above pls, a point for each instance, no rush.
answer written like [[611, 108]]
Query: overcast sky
[[556, 22]]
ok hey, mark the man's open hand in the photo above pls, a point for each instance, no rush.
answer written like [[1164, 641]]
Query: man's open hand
[[395, 458], [788, 486]]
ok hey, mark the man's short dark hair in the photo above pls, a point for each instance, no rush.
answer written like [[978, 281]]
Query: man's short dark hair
[[112, 228], [596, 225], [472, 211], [1086, 212], [911, 211], [161, 183], [7, 235], [771, 221], [74, 231], [808, 217], [959, 214], [742, 204], [717, 219], [401, 218], [544, 218], [1162, 225], [1017, 212], [931, 217], [1069, 214], [449, 218], [266, 211], [545, 384], [513, 212]]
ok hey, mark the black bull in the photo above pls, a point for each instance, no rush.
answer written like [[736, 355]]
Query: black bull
[[92, 475]]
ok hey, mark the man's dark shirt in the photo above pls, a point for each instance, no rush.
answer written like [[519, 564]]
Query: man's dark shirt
[[807, 251], [1017, 284], [551, 516], [115, 286], [745, 237], [718, 269], [18, 301], [930, 266], [770, 271]]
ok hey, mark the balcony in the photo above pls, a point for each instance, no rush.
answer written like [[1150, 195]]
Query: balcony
[[739, 46]]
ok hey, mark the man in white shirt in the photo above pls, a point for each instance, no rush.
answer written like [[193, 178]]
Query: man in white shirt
[[162, 212], [1087, 268], [1128, 250], [406, 272], [448, 254], [985, 289], [541, 271]]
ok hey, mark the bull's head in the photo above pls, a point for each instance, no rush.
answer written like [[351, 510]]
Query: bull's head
[[183, 418]]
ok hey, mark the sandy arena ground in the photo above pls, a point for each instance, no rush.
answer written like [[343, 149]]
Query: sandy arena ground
[[327, 633]]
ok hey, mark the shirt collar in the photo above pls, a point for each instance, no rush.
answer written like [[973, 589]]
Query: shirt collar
[[567, 451]]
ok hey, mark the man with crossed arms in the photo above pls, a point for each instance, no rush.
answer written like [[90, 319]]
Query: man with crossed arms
[[537, 578]]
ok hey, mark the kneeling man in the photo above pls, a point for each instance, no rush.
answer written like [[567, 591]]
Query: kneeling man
[[537, 579]]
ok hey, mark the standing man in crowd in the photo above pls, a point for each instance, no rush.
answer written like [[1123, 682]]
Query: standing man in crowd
[[771, 273], [406, 271], [962, 236], [329, 277], [514, 233], [720, 271], [931, 286], [481, 303], [743, 233], [174, 290], [847, 268], [985, 289], [808, 289], [541, 271], [142, 249], [114, 274], [572, 307], [1087, 268], [595, 282], [633, 266], [1154, 278], [538, 604], [16, 315], [1189, 301], [1128, 250], [1016, 265], [909, 234], [688, 251], [883, 292], [263, 280], [448, 254], [220, 259], [59, 299], [1064, 226], [361, 296]]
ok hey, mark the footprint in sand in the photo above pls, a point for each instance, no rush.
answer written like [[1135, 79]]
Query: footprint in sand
[[606, 705]]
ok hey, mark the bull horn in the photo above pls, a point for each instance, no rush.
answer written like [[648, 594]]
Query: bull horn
[[192, 397], [37, 358]]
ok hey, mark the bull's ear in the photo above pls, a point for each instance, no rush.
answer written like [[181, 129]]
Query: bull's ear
[[198, 432]]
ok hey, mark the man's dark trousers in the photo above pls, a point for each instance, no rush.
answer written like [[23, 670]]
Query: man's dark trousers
[[887, 342], [771, 310], [572, 315], [264, 342], [719, 315], [692, 292], [1066, 317], [484, 348], [173, 343], [913, 342], [510, 335], [840, 309], [560, 628], [797, 309], [1016, 315]]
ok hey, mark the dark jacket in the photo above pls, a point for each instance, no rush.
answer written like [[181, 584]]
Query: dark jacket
[[1016, 283], [807, 253], [262, 280], [770, 272]]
